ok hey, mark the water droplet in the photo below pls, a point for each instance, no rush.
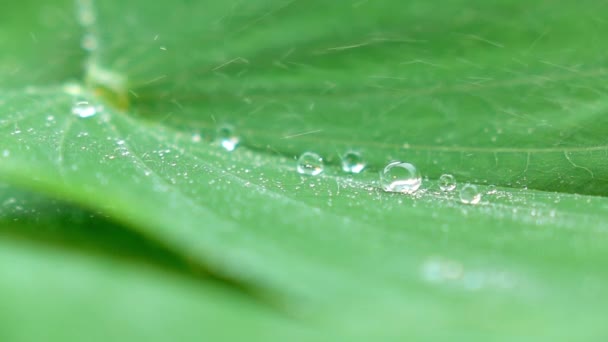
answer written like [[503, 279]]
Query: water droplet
[[227, 139], [196, 137], [491, 190], [352, 162], [310, 163], [84, 109], [400, 177], [469, 194], [447, 182], [6, 153]]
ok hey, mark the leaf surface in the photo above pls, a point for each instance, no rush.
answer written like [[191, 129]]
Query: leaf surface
[[504, 93]]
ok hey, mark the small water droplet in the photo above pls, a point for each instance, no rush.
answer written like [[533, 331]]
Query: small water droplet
[[447, 182], [400, 177], [84, 109], [6, 153], [227, 139], [352, 162], [491, 190], [310, 163], [469, 194], [196, 137]]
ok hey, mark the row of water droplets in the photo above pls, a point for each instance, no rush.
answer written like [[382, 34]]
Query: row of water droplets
[[311, 163], [402, 177], [396, 177]]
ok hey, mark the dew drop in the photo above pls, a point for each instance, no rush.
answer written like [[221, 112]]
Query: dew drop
[[227, 139], [447, 182], [310, 163], [469, 194], [196, 137], [352, 162], [400, 177], [491, 190], [84, 109]]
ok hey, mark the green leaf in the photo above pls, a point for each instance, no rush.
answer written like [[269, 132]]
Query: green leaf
[[120, 287], [505, 93], [329, 244], [41, 43]]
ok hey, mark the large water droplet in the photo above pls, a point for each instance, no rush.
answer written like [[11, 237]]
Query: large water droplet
[[352, 162], [84, 109], [469, 194], [400, 177], [227, 139], [447, 182], [310, 163]]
